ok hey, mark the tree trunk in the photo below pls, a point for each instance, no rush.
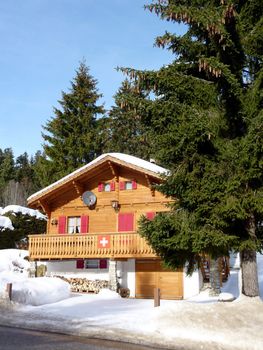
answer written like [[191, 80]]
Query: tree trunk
[[248, 259], [250, 286], [214, 277]]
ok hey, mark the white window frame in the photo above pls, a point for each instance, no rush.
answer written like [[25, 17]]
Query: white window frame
[[128, 185], [73, 225]]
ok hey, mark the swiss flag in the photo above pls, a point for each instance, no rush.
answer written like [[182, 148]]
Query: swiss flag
[[104, 241]]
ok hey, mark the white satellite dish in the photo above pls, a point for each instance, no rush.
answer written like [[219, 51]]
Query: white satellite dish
[[89, 198]]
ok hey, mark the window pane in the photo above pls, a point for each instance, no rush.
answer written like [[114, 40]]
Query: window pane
[[128, 185], [107, 187], [74, 224], [92, 263]]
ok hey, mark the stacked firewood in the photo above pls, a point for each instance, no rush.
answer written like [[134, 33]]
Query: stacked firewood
[[84, 285]]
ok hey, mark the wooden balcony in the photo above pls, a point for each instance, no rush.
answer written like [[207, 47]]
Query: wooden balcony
[[108, 245]]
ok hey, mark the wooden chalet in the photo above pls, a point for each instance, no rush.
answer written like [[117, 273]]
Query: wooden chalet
[[92, 222]]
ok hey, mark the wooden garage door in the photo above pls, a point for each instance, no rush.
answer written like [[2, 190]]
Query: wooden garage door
[[150, 274]]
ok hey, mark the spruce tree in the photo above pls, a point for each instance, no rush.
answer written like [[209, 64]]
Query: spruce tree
[[23, 226], [72, 137], [207, 118], [127, 133], [7, 170]]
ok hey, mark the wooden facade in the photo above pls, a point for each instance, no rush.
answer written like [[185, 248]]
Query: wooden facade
[[124, 192]]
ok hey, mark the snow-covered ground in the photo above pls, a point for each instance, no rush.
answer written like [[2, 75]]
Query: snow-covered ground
[[198, 323]]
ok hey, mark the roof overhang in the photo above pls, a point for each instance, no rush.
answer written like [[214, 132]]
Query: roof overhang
[[151, 170]]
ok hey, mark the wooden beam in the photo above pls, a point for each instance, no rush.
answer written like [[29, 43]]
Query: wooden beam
[[114, 171], [78, 187], [152, 189], [44, 207]]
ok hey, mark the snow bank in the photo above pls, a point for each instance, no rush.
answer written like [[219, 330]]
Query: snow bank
[[5, 222], [13, 260], [40, 290], [31, 291], [260, 273], [23, 210], [108, 294]]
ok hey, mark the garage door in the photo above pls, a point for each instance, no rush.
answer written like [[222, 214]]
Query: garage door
[[150, 274]]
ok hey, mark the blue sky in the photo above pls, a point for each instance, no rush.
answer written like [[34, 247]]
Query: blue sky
[[42, 43]]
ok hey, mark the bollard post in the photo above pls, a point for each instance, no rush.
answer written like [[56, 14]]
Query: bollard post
[[9, 290], [156, 297]]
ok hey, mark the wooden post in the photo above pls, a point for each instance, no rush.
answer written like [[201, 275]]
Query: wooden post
[[156, 297], [9, 290]]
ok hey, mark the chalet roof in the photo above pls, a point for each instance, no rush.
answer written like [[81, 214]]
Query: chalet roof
[[119, 158]]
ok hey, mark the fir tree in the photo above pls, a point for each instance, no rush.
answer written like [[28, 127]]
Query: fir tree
[[127, 133], [72, 137], [7, 170], [207, 118], [23, 225], [42, 171]]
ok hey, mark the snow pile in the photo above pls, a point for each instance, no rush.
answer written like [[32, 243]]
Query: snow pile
[[108, 294], [1, 209], [5, 223], [40, 290], [13, 260], [260, 273], [23, 210], [32, 291]]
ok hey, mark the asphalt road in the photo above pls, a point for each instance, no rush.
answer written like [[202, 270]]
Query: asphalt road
[[21, 339]]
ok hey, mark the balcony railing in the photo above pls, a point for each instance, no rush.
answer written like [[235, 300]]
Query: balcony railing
[[108, 245]]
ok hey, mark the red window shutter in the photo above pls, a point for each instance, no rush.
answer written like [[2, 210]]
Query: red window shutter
[[134, 185], [100, 187], [122, 185], [80, 264], [126, 222], [103, 263], [150, 215], [84, 224], [62, 220], [112, 186]]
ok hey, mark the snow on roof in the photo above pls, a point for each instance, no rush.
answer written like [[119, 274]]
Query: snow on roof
[[5, 223], [22, 210], [119, 156]]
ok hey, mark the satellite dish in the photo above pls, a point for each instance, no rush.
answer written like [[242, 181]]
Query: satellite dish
[[89, 198]]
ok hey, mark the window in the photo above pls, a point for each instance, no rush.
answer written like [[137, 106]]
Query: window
[[106, 186], [96, 264], [128, 185], [74, 224]]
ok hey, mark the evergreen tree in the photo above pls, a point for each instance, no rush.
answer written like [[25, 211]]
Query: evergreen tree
[[7, 166], [23, 226], [42, 171], [73, 137], [7, 170], [23, 168], [127, 133], [207, 118]]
